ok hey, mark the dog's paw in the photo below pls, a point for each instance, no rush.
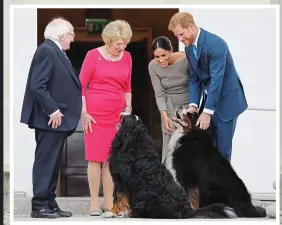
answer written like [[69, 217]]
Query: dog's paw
[[121, 214], [230, 212], [124, 214], [108, 214]]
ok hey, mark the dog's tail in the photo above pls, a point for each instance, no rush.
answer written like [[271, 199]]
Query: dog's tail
[[214, 211]]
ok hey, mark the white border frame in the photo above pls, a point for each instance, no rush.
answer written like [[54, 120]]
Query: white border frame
[[121, 221]]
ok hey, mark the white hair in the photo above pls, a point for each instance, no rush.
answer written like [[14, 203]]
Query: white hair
[[56, 28], [115, 30], [172, 145]]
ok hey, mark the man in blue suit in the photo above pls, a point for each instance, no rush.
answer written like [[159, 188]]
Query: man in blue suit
[[212, 76]]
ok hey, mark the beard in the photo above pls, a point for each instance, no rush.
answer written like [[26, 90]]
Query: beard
[[187, 42]]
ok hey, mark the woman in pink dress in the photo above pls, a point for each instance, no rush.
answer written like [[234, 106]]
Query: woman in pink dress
[[106, 91]]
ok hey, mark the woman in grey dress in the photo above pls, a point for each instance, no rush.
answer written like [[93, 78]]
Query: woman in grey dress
[[169, 73]]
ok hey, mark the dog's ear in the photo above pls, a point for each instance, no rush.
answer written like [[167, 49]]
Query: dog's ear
[[120, 142], [124, 133], [191, 119], [138, 119], [116, 142], [194, 117], [140, 128], [130, 131]]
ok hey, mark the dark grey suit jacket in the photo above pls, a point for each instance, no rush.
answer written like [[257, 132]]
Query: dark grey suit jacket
[[52, 84]]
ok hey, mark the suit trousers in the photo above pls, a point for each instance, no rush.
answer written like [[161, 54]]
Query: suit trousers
[[48, 156], [221, 132], [222, 135]]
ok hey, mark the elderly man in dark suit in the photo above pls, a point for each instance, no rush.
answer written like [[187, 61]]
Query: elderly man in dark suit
[[213, 74], [52, 107]]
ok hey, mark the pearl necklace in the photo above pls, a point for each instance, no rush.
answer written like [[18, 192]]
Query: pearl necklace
[[110, 57]]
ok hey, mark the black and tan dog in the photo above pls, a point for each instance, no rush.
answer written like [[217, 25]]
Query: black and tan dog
[[148, 188], [198, 167]]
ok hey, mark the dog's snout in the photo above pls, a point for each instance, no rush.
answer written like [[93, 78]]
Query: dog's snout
[[181, 107], [178, 116]]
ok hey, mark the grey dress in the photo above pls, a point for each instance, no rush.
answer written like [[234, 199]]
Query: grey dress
[[171, 90]]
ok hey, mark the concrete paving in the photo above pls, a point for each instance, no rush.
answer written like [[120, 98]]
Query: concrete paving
[[79, 206], [89, 218]]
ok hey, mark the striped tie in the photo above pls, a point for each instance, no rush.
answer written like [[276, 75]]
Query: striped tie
[[66, 55]]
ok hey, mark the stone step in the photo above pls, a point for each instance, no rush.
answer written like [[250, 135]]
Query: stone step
[[79, 205]]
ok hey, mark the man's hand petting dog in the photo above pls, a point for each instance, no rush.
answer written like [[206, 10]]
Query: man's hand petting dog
[[204, 121], [55, 120], [192, 109], [87, 121]]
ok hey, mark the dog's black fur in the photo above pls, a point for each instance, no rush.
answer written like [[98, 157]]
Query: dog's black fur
[[199, 164], [152, 192]]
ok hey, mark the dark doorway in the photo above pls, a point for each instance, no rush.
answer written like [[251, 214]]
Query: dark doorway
[[146, 24], [73, 175]]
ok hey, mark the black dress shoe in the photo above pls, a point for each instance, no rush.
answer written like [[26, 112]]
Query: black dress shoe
[[44, 213], [62, 213]]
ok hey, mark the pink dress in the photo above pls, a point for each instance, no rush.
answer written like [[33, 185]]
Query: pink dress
[[108, 81]]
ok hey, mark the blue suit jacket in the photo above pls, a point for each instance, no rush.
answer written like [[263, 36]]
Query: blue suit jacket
[[214, 71]]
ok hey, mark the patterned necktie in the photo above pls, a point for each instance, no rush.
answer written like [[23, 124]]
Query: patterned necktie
[[66, 55], [195, 51], [69, 61]]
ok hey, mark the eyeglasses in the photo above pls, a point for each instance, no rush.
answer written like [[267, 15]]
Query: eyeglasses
[[71, 34]]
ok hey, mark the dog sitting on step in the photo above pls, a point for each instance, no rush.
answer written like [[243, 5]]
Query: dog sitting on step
[[198, 167], [149, 188]]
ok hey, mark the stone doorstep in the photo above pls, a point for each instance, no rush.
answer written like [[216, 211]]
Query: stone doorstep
[[79, 205]]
